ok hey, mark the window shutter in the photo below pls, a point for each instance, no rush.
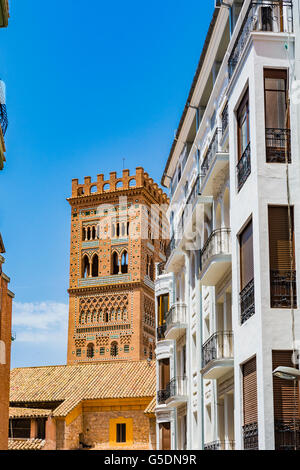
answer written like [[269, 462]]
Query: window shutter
[[250, 392], [286, 398], [246, 256], [279, 238]]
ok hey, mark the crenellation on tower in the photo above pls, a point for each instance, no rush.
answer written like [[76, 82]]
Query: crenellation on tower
[[118, 230]]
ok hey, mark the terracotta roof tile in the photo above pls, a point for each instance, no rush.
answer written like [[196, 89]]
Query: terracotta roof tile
[[25, 444], [151, 407], [72, 384], [28, 413]]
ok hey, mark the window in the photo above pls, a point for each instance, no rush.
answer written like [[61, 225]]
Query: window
[[19, 428], [85, 267], [282, 258], [124, 266], [40, 428], [102, 351], [121, 432], [90, 351], [95, 266], [115, 263], [286, 405], [250, 409], [247, 273], [165, 436], [278, 145], [78, 352], [163, 308], [114, 349], [126, 348], [244, 164]]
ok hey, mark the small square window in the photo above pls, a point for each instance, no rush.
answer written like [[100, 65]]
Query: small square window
[[126, 348], [78, 352], [121, 432]]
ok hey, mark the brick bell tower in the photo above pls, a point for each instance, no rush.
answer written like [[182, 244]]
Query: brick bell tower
[[119, 231]]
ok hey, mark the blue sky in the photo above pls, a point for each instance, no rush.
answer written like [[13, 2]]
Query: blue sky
[[88, 84]]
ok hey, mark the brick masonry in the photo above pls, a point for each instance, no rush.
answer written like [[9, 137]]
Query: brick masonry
[[107, 308]]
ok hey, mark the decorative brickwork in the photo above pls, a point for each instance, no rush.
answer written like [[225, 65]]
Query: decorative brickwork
[[118, 233]]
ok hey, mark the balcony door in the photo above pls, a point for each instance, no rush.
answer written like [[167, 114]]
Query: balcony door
[[165, 436], [277, 116]]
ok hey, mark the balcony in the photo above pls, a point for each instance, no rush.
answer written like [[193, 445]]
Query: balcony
[[283, 289], [278, 145], [162, 396], [270, 17], [215, 161], [220, 445], [216, 257], [217, 355], [250, 433], [287, 434], [247, 302], [244, 167], [176, 391], [176, 320]]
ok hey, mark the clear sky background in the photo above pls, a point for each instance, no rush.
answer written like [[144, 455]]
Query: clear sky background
[[88, 84]]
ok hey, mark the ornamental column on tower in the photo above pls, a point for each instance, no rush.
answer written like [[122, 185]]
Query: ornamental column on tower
[[119, 231]]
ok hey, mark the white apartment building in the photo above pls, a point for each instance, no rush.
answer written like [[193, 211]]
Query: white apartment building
[[228, 298]]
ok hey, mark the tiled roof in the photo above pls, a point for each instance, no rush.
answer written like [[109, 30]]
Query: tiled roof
[[72, 384], [28, 413], [25, 444], [151, 407]]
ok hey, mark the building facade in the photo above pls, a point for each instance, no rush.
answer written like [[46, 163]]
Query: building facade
[[118, 233], [5, 294], [86, 406], [227, 299]]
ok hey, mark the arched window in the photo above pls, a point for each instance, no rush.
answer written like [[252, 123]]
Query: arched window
[[106, 316], [95, 266], [114, 349], [128, 227], [113, 230], [85, 266], [83, 233], [89, 233], [118, 230], [124, 267], [90, 352], [93, 233], [115, 263]]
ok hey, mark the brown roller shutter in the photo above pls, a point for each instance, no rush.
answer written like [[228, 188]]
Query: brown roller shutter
[[164, 373], [279, 238], [246, 256], [286, 405], [250, 392], [286, 398], [165, 436]]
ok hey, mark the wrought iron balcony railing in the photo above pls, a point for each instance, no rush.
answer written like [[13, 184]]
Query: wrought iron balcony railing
[[161, 330], [244, 167], [218, 346], [162, 396], [225, 119], [247, 302], [177, 387], [218, 243], [267, 16], [287, 434], [278, 145], [250, 432], [211, 152], [283, 289], [220, 445], [176, 314]]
